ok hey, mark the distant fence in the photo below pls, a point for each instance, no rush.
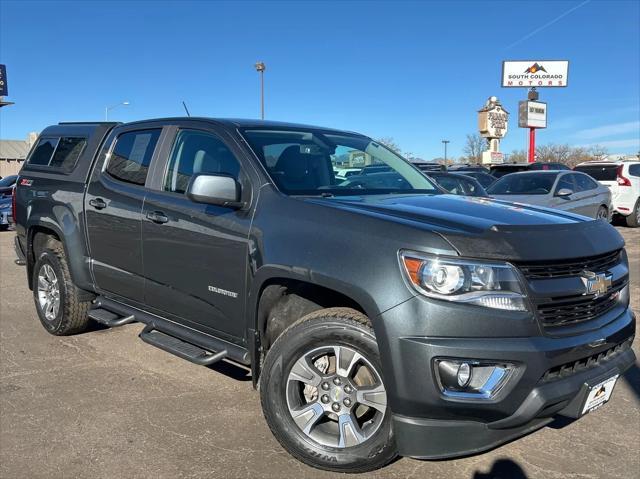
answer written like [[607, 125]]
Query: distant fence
[[10, 167]]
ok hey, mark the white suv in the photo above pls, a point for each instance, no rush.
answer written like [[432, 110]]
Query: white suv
[[623, 178]]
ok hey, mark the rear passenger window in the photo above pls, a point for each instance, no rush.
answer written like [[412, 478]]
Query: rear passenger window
[[584, 183], [198, 152], [43, 151], [634, 170], [131, 156], [67, 153], [57, 152]]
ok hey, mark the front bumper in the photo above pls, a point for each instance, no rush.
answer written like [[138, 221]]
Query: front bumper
[[429, 425]]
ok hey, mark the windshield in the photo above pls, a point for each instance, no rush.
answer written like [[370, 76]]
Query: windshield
[[8, 180], [523, 184], [313, 162]]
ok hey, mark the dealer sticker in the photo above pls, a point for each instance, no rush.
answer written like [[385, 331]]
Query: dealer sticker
[[599, 394]]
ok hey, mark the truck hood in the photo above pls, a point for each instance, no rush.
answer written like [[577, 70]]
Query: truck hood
[[490, 228]]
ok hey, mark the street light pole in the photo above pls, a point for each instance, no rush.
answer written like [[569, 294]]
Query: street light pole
[[107, 109], [260, 68], [445, 142]]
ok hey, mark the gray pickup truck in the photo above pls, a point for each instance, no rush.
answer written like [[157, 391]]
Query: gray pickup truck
[[379, 315]]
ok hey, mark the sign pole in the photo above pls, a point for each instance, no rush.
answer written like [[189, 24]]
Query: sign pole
[[532, 145]]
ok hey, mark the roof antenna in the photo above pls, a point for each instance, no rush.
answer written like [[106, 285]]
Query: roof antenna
[[185, 108]]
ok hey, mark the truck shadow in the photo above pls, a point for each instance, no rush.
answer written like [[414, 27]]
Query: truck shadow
[[632, 377], [502, 469]]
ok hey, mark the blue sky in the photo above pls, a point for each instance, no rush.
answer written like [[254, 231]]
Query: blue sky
[[414, 71]]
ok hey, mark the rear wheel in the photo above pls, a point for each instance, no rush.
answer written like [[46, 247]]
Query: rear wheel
[[57, 299], [603, 213], [323, 395], [633, 220]]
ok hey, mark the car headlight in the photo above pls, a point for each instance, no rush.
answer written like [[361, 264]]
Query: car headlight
[[489, 284]]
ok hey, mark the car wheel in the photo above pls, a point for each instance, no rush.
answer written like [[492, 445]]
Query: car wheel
[[603, 213], [59, 308], [633, 220], [4, 227], [323, 395]]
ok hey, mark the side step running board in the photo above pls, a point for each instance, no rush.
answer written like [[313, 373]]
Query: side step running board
[[110, 319], [180, 348]]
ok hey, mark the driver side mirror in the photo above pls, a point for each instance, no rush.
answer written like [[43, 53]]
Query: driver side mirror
[[214, 189], [564, 192]]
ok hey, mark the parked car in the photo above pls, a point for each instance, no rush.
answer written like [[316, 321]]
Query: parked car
[[344, 173], [457, 184], [425, 166], [564, 190], [6, 185], [505, 168], [485, 179], [5, 212], [377, 321], [467, 167], [623, 179]]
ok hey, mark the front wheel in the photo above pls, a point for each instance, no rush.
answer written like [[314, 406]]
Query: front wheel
[[323, 395]]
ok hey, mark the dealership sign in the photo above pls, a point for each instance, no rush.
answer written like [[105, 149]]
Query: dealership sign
[[493, 120], [4, 89], [535, 73], [532, 114]]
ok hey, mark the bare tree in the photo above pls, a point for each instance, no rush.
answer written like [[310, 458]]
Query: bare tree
[[518, 156], [390, 143], [473, 148], [598, 152]]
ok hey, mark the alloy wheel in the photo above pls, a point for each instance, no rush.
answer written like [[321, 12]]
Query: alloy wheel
[[336, 396], [48, 292]]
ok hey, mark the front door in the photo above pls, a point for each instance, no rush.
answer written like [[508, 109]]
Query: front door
[[565, 203], [196, 255], [113, 206]]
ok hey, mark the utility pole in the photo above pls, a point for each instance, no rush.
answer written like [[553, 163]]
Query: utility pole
[[445, 142], [260, 68]]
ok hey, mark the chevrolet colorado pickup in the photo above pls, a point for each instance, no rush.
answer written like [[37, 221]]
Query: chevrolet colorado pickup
[[379, 315]]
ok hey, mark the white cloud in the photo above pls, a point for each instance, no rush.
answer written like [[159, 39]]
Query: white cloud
[[609, 130], [628, 143]]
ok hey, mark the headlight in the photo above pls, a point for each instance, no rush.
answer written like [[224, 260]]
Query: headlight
[[493, 285]]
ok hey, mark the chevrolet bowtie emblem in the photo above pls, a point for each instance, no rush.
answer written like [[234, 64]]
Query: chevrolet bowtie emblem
[[596, 283]]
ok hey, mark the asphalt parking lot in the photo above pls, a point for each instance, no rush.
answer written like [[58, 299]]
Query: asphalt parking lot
[[106, 405]]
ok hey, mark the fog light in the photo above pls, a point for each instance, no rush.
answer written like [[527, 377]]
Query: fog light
[[472, 379], [464, 375]]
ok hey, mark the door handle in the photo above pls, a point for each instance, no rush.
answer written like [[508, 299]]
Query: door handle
[[97, 203], [157, 217]]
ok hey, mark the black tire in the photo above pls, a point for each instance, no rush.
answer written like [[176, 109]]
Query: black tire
[[633, 220], [72, 313], [4, 227], [345, 328]]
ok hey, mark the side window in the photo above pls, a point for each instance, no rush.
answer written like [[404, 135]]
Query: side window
[[195, 152], [131, 156], [565, 182], [67, 153], [43, 151], [634, 170], [584, 183]]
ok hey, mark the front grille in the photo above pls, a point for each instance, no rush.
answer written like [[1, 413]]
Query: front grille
[[576, 309], [590, 362], [573, 267]]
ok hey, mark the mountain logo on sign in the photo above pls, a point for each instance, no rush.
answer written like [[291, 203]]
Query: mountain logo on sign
[[535, 68]]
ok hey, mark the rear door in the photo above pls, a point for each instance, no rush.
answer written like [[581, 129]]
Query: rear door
[[113, 206], [196, 255], [588, 197]]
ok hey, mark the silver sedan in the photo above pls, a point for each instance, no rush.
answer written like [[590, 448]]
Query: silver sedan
[[564, 190]]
